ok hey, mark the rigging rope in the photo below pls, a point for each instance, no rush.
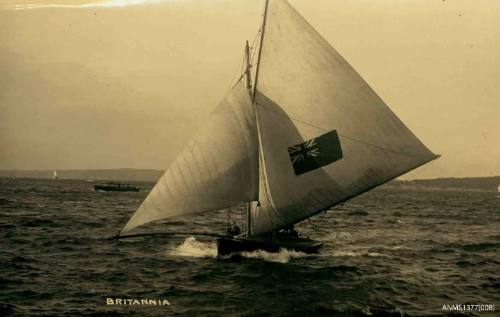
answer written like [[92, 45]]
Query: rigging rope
[[242, 74], [242, 58], [344, 136], [257, 37], [242, 71]]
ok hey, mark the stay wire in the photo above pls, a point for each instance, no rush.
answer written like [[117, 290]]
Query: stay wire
[[342, 135]]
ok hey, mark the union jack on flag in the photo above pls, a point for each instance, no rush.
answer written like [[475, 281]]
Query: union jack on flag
[[315, 153], [304, 150]]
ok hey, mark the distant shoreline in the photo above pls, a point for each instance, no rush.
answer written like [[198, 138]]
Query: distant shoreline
[[483, 184], [118, 174], [489, 184]]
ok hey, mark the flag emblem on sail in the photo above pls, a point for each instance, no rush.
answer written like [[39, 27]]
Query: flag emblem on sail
[[315, 153]]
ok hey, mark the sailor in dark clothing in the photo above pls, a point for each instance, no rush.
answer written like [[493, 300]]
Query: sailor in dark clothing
[[288, 232], [233, 230]]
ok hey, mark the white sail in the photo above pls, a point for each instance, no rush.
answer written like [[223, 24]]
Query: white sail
[[217, 169], [54, 175], [308, 94]]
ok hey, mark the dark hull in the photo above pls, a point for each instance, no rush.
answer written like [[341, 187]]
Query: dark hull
[[228, 245], [115, 189]]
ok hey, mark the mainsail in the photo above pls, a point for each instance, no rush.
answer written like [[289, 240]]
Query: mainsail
[[313, 135], [326, 136], [217, 169]]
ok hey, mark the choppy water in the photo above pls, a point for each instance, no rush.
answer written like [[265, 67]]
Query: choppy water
[[388, 252]]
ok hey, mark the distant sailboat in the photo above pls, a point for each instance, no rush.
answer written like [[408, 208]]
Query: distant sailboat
[[54, 175], [299, 133]]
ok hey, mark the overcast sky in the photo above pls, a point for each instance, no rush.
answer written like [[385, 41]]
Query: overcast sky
[[109, 84]]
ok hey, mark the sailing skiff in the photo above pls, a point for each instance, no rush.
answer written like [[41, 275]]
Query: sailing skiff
[[299, 133]]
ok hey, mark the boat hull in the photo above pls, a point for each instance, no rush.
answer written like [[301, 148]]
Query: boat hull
[[228, 245], [104, 188]]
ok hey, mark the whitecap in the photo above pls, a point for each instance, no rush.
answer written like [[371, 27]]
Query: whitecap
[[194, 248], [283, 256], [191, 247], [355, 253]]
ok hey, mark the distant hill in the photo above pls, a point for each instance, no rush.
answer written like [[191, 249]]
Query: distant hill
[[468, 183], [152, 175], [121, 174]]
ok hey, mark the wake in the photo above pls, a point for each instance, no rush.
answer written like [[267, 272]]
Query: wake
[[191, 247]]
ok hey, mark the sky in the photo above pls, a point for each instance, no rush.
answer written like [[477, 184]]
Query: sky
[[125, 83]]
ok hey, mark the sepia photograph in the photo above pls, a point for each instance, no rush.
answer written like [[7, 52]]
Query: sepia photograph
[[249, 158]]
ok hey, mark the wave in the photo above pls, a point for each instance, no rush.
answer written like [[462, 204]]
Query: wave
[[283, 256], [194, 248], [191, 247], [4, 201], [343, 253]]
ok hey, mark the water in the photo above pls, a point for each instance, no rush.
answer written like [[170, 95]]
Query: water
[[388, 252]]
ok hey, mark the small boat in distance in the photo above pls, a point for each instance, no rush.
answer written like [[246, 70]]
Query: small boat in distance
[[54, 175], [115, 187]]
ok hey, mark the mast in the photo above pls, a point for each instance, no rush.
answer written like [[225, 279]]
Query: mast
[[248, 74], [251, 206], [263, 30]]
